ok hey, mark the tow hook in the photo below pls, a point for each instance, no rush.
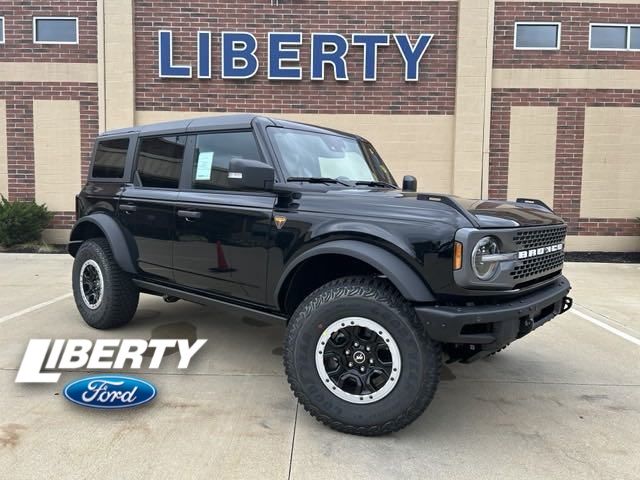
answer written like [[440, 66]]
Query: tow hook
[[526, 326], [567, 303]]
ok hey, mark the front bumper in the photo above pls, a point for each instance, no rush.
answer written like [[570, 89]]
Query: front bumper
[[484, 329]]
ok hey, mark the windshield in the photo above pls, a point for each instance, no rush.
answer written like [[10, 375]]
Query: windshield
[[305, 154]]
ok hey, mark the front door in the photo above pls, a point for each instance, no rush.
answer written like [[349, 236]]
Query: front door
[[147, 207], [222, 236]]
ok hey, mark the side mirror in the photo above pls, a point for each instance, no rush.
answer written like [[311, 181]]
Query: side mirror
[[409, 184], [250, 175]]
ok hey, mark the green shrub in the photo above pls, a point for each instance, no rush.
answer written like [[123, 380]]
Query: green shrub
[[22, 222]]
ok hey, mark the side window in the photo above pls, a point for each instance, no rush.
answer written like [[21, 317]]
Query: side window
[[110, 158], [213, 153], [159, 161]]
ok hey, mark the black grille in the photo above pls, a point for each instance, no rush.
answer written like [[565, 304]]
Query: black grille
[[539, 237], [538, 266], [541, 265]]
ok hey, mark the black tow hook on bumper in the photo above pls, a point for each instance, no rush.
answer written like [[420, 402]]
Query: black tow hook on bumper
[[568, 303], [479, 330]]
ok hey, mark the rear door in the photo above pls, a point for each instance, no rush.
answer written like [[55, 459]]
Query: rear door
[[222, 235], [147, 207]]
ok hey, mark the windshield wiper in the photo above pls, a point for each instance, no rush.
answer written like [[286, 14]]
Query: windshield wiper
[[376, 183], [318, 180]]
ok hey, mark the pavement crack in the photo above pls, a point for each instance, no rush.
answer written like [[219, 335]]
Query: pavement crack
[[222, 374], [531, 382], [293, 440], [586, 463], [168, 374]]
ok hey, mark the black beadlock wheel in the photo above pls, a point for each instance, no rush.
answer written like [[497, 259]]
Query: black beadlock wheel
[[104, 294], [358, 359]]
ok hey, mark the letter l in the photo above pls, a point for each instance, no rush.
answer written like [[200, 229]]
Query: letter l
[[32, 362]]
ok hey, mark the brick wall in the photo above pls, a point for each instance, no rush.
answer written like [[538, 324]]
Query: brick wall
[[574, 42], [18, 19], [19, 98], [63, 220], [433, 94], [571, 103], [569, 148]]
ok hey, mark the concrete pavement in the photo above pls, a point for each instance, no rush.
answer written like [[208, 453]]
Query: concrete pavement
[[563, 402]]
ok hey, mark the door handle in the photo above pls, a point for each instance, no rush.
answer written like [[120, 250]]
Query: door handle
[[189, 214], [128, 208]]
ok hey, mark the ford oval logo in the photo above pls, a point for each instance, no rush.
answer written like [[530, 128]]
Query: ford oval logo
[[109, 391]]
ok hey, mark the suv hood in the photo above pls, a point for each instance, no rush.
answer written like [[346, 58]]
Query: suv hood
[[387, 203], [497, 214]]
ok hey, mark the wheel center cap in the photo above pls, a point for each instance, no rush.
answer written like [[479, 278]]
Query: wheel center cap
[[359, 357]]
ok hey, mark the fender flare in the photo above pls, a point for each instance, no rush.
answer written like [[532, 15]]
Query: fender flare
[[399, 273], [124, 250]]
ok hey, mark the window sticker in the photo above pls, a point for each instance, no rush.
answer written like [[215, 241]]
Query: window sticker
[[205, 162]]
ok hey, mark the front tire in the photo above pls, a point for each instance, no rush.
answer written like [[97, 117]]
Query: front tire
[[104, 294], [358, 359]]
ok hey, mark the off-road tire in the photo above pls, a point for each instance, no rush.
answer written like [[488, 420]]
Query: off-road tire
[[378, 300], [120, 295]]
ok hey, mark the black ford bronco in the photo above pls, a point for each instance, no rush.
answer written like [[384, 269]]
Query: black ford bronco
[[307, 225]]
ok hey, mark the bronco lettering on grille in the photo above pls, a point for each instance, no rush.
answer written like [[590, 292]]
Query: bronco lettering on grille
[[536, 252]]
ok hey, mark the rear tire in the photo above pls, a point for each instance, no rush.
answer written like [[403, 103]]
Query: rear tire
[[358, 359], [104, 294]]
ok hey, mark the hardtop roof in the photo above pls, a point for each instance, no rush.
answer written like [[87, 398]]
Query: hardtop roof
[[218, 122]]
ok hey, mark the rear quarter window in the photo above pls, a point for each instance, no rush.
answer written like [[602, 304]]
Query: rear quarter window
[[110, 158]]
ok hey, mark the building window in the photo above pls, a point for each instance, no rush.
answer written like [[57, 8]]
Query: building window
[[55, 30], [604, 36], [1, 29], [537, 36], [110, 158], [160, 161], [634, 38]]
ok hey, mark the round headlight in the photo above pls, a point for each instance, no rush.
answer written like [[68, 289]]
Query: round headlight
[[483, 268]]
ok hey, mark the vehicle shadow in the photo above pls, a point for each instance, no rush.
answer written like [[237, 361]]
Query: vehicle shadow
[[242, 345]]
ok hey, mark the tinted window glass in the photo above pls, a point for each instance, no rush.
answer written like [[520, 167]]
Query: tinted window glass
[[635, 38], [608, 37], [537, 36], [213, 153], [159, 161], [1, 30], [63, 30], [110, 158]]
